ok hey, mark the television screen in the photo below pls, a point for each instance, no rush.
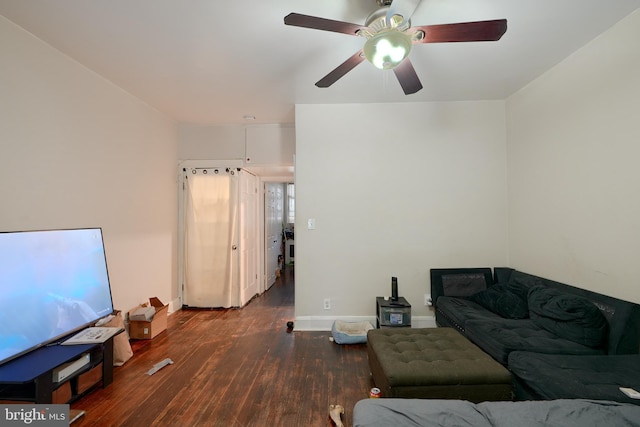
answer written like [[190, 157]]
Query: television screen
[[52, 283]]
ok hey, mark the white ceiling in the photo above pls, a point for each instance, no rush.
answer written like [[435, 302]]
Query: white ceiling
[[213, 62]]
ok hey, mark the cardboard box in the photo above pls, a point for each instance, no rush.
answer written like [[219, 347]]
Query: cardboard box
[[143, 313], [146, 330]]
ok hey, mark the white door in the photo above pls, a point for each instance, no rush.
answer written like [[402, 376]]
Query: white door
[[248, 237], [273, 220]]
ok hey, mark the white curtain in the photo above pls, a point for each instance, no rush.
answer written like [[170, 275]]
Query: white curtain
[[210, 253]]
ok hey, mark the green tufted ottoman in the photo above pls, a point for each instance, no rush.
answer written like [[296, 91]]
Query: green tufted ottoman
[[436, 363]]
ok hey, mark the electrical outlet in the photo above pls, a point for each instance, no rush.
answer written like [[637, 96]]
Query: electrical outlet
[[327, 304], [427, 300]]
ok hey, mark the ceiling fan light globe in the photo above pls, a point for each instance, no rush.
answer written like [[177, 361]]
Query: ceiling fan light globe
[[387, 49]]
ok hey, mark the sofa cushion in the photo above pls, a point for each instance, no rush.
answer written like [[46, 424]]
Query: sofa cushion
[[568, 316], [463, 284], [457, 311], [459, 282], [501, 337], [524, 280], [500, 300], [549, 376]]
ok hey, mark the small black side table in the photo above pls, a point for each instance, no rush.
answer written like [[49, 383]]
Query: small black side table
[[393, 314]]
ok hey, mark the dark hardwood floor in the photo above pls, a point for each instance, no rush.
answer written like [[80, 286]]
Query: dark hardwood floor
[[237, 367]]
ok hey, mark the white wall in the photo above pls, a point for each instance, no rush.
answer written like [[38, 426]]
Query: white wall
[[78, 151], [260, 145], [395, 189], [198, 142], [574, 180]]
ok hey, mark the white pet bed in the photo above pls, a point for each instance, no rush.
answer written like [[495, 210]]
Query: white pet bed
[[350, 332]]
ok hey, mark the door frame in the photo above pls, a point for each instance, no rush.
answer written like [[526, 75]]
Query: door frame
[[182, 194], [249, 221], [264, 181], [262, 242]]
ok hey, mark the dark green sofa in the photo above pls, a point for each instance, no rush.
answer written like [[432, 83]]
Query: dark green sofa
[[570, 343], [499, 336]]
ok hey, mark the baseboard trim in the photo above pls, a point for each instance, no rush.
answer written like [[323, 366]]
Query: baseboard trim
[[324, 323], [174, 305]]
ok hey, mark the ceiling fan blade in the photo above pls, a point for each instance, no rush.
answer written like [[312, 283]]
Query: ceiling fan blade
[[463, 31], [313, 22], [407, 77], [404, 8], [341, 70]]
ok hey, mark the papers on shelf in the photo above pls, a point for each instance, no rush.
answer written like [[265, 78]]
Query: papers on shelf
[[94, 335]]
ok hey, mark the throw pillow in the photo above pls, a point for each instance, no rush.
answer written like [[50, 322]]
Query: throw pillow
[[568, 316], [500, 300]]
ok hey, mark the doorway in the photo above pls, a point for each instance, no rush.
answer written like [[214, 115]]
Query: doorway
[[279, 220], [274, 232], [218, 262]]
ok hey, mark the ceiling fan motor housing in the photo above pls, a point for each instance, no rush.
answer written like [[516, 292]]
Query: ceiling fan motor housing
[[377, 21]]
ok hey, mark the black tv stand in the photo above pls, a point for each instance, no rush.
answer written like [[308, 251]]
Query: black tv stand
[[29, 378]]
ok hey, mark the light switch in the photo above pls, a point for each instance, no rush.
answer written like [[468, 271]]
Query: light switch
[[311, 224]]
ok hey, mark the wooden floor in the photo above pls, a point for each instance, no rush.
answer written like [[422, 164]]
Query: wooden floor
[[234, 368]]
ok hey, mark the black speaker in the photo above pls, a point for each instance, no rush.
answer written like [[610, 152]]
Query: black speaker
[[394, 289]]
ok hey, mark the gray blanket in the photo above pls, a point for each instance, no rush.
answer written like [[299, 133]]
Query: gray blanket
[[432, 413]]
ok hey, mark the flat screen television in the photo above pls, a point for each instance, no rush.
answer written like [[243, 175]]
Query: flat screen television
[[52, 283]]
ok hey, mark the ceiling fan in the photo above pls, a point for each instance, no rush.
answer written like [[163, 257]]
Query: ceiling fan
[[390, 36]]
